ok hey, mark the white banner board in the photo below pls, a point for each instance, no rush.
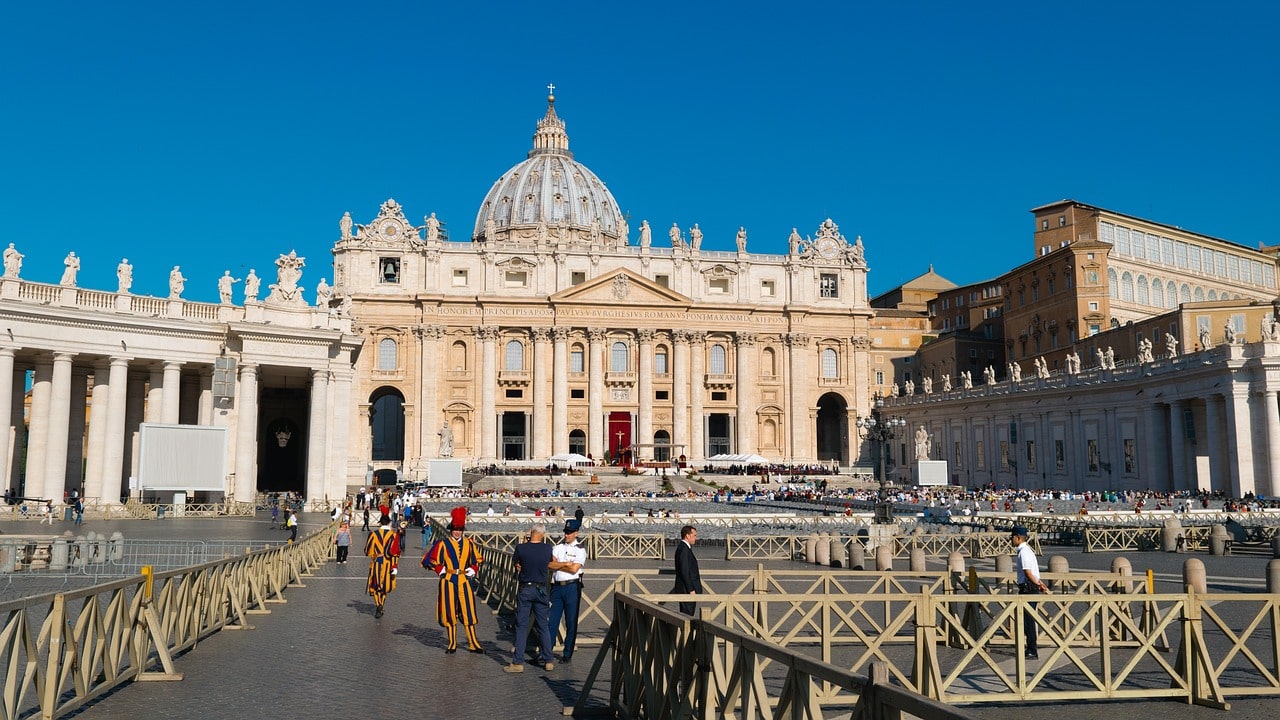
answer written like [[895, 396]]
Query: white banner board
[[444, 473], [182, 457]]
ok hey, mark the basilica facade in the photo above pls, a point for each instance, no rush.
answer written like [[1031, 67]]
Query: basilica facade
[[556, 328]]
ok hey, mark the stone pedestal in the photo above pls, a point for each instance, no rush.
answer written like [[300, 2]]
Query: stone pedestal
[[878, 535], [930, 472]]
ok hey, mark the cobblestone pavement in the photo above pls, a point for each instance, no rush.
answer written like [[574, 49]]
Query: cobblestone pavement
[[322, 654]]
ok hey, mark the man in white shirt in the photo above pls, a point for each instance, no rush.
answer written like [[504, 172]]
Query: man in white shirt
[[1029, 583], [567, 559]]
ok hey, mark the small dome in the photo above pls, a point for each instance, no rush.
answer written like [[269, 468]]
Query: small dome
[[549, 193]]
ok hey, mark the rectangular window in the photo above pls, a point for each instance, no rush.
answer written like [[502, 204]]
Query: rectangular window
[[1059, 456], [662, 394], [718, 286], [1093, 307], [1031, 456], [577, 394], [459, 277], [1237, 321], [516, 279], [980, 455], [577, 277], [1004, 455], [387, 354], [1166, 251], [1180, 254], [1193, 258], [719, 396], [829, 285], [959, 456], [1062, 221], [973, 352], [1219, 263], [514, 393], [1093, 455], [1233, 267], [1130, 456], [879, 377], [663, 280], [1189, 424], [767, 288], [1106, 233], [575, 361], [660, 363], [1094, 330]]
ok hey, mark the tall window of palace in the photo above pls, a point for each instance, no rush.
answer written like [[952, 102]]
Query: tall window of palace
[[458, 356], [618, 357], [514, 356], [660, 361], [1157, 292], [1126, 287], [1143, 297], [387, 354], [575, 359], [717, 360], [830, 363], [1113, 283]]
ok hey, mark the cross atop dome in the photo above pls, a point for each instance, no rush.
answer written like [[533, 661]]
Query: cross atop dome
[[550, 135]]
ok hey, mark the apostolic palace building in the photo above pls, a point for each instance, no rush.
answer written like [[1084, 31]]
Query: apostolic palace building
[[1151, 354]]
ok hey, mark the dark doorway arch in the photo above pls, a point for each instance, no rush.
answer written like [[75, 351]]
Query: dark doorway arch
[[578, 442], [662, 446], [833, 428], [386, 424]]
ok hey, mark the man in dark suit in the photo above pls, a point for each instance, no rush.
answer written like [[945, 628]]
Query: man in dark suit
[[688, 580]]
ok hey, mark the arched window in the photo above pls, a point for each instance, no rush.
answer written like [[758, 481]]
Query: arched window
[[576, 359], [1113, 283], [1184, 295], [515, 356], [660, 366], [1144, 297], [618, 357], [1157, 292], [1126, 287], [768, 363], [1213, 294], [717, 360], [1199, 294], [1171, 294], [830, 363], [387, 354], [578, 442], [662, 446]]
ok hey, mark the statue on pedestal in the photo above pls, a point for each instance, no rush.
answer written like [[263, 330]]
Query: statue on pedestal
[[1101, 357], [927, 385], [345, 226], [910, 387], [124, 277], [966, 380], [324, 293], [923, 444], [695, 237], [286, 290], [251, 285], [224, 287], [793, 242], [1205, 340], [1111, 358], [742, 239], [946, 383], [72, 264], [433, 228], [646, 234], [176, 283], [677, 239], [12, 262], [1171, 345], [446, 441]]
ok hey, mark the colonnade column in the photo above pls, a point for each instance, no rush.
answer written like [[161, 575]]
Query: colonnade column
[[17, 410], [1271, 406], [170, 392], [99, 410], [110, 480], [680, 394], [204, 399], [1154, 469], [797, 350], [595, 393], [337, 482], [1177, 446], [38, 434], [559, 391], [1240, 448], [6, 409], [644, 387], [247, 433], [77, 413], [59, 421], [135, 415], [1213, 421], [697, 388], [541, 443], [317, 436], [745, 386], [487, 452]]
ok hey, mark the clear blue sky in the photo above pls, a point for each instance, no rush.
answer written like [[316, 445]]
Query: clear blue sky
[[218, 135]]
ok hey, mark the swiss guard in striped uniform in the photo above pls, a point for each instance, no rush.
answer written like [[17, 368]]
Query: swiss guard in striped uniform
[[383, 547], [456, 560]]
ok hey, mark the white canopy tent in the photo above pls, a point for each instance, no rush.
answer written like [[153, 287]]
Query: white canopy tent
[[738, 459], [571, 459]]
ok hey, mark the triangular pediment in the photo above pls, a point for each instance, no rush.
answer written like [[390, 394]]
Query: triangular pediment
[[620, 287]]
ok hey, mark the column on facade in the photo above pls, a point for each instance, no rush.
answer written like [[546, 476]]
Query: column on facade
[[204, 399], [6, 409], [246, 486], [1239, 443], [1271, 408], [680, 393], [560, 390], [338, 438], [644, 385], [110, 481], [487, 452], [189, 402], [1213, 421], [99, 408], [55, 467], [429, 406], [541, 439], [17, 413], [595, 392], [38, 432], [170, 392], [135, 415], [697, 392], [1177, 446], [73, 477], [1155, 468], [317, 435], [798, 408], [745, 386]]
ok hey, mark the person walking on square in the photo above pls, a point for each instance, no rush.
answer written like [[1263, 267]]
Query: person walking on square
[[343, 541], [688, 579], [1029, 583], [383, 549], [533, 559], [48, 513], [366, 519], [456, 560], [567, 560], [292, 524]]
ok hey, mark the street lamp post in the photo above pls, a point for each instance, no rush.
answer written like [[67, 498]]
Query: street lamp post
[[882, 430]]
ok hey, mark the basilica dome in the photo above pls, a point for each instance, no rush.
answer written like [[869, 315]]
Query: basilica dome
[[550, 197]]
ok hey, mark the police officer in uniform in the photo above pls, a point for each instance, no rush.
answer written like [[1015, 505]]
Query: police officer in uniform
[[567, 560]]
